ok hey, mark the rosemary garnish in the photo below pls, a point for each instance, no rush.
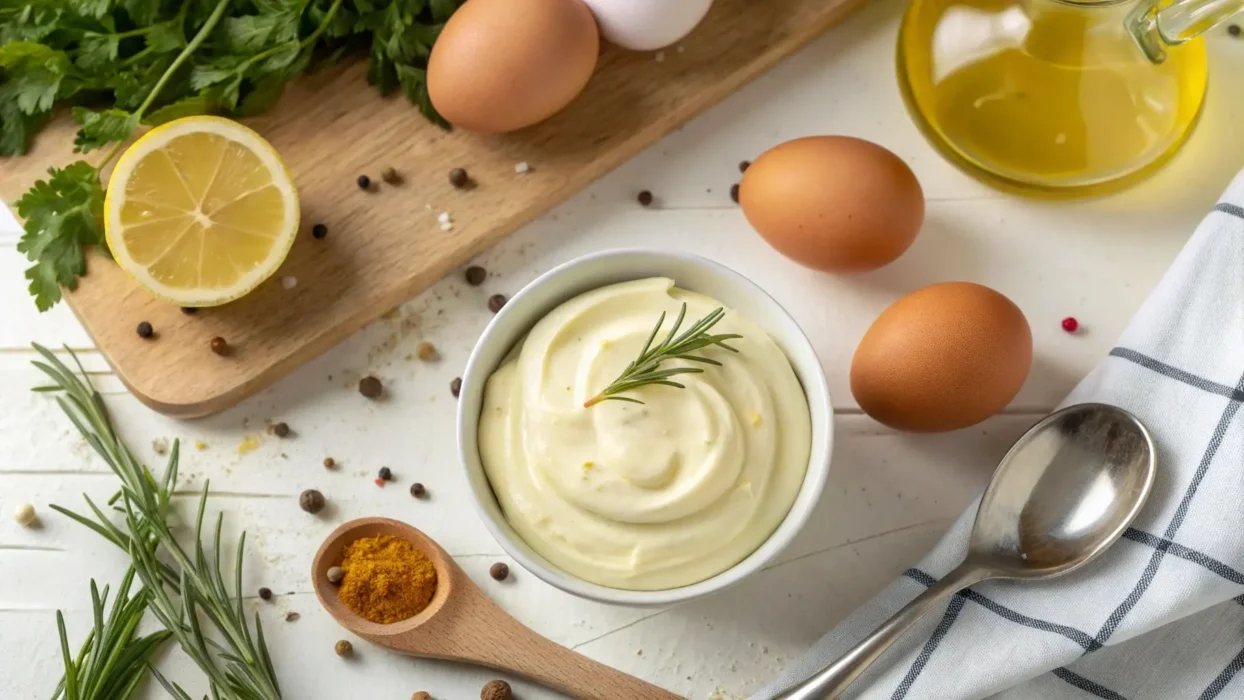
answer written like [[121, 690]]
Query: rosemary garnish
[[646, 369], [186, 590]]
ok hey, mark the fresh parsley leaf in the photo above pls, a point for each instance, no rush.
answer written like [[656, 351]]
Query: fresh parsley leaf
[[188, 107], [100, 128], [414, 83], [97, 51], [442, 9], [261, 97], [32, 74], [16, 128], [141, 12], [62, 216], [250, 34]]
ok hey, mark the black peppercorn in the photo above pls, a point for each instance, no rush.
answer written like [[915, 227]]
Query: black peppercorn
[[475, 275], [391, 176], [189, 310], [458, 178], [145, 330], [265, 593], [734, 193], [499, 571], [744, 165], [311, 501], [495, 302], [386, 474], [319, 231], [455, 386], [417, 490], [329, 462], [364, 182], [371, 387], [1233, 29], [645, 198], [280, 430]]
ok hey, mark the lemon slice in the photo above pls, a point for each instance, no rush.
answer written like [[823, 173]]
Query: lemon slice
[[200, 210]]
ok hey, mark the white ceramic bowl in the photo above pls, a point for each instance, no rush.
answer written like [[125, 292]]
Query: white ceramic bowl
[[691, 272]]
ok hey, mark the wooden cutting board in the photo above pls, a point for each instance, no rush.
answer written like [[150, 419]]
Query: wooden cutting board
[[385, 247]]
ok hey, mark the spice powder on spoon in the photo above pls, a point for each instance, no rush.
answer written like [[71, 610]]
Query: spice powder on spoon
[[386, 579]]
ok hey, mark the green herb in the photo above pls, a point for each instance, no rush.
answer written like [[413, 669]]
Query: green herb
[[186, 590], [112, 660], [646, 369], [151, 61]]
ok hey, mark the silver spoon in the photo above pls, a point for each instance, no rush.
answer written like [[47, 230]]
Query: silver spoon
[[1065, 491]]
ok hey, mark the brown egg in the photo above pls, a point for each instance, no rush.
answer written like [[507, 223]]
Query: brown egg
[[833, 203], [942, 358], [501, 65]]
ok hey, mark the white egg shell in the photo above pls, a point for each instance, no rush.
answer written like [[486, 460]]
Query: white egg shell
[[644, 25]]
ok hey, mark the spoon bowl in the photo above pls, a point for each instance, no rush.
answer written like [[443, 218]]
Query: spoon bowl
[[1063, 493], [462, 624]]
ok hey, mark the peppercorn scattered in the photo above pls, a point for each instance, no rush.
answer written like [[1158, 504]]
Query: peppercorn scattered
[[421, 695], [495, 302], [734, 193], [336, 574], [379, 482], [1070, 324], [25, 515], [475, 275], [311, 501], [386, 474], [391, 176], [1233, 29], [292, 616], [426, 351], [219, 346], [644, 198], [417, 490], [189, 310], [319, 231], [343, 648], [145, 330], [455, 386], [371, 387], [329, 463], [364, 182], [281, 430], [499, 571], [744, 165], [496, 690], [458, 178], [265, 593]]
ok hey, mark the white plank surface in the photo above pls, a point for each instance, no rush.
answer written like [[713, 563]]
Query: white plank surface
[[890, 495]]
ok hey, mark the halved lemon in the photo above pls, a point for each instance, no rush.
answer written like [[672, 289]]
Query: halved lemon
[[200, 211]]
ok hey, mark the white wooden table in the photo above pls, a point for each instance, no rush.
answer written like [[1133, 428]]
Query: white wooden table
[[890, 495]]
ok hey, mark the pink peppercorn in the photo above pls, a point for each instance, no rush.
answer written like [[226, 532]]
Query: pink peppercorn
[[1070, 324], [379, 482]]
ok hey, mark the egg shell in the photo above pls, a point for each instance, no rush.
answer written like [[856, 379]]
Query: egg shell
[[502, 65], [833, 203], [645, 25], [942, 358]]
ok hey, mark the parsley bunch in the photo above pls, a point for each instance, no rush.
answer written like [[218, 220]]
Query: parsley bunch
[[122, 63]]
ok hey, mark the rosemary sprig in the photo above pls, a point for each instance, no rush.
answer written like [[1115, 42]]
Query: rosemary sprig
[[112, 661], [186, 591], [646, 369]]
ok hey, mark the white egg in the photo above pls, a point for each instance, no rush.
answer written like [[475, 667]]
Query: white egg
[[644, 25]]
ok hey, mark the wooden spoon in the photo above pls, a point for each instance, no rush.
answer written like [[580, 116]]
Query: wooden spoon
[[463, 624]]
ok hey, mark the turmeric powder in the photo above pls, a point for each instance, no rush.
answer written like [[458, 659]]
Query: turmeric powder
[[386, 579]]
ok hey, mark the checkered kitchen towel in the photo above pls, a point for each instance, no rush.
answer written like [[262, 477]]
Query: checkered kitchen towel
[[1161, 615]]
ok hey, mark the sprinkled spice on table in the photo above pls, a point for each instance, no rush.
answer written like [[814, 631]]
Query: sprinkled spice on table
[[386, 579]]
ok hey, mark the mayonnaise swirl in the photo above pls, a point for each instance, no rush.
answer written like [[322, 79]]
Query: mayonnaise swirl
[[651, 496]]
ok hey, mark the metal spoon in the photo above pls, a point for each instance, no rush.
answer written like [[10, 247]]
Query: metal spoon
[[1065, 491]]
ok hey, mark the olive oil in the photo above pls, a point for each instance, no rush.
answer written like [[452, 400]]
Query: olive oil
[[1046, 96]]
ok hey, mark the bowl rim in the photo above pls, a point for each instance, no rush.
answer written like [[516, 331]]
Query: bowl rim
[[812, 379]]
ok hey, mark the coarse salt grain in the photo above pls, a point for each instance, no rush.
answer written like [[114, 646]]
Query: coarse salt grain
[[522, 167], [289, 281], [660, 56], [444, 218]]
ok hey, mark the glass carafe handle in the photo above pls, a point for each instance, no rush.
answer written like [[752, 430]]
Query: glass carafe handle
[[1156, 25]]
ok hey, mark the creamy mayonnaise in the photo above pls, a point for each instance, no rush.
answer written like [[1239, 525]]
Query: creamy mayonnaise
[[650, 496]]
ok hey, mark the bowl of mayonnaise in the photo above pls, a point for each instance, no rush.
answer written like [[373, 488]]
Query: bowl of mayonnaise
[[644, 427]]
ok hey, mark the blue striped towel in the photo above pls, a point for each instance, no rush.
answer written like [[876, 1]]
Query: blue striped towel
[[1161, 615]]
